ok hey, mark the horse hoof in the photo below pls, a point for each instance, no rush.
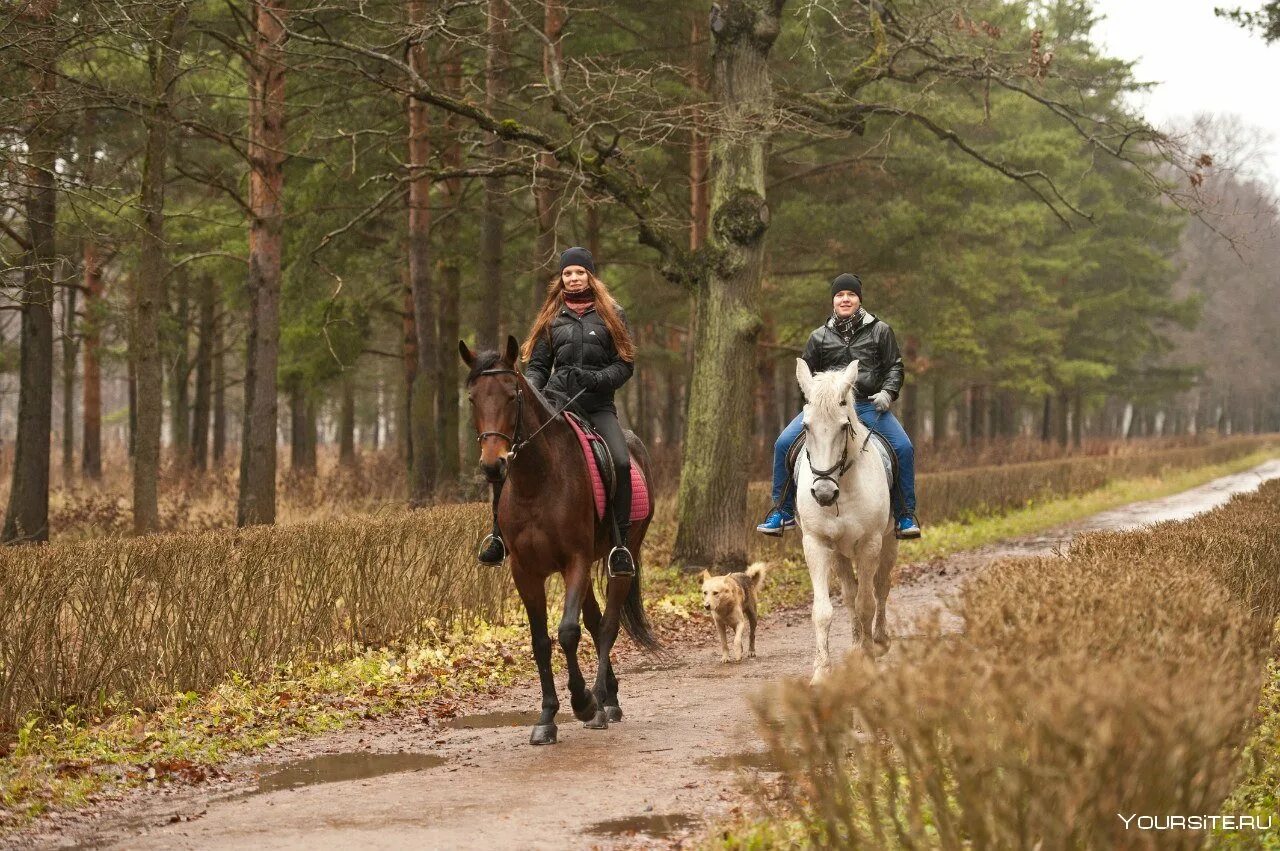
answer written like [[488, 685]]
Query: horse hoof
[[543, 734], [613, 714], [587, 711], [599, 722]]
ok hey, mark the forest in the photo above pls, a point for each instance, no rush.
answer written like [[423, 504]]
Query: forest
[[232, 231]]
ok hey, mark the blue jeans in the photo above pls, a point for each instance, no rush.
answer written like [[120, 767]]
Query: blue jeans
[[887, 425]]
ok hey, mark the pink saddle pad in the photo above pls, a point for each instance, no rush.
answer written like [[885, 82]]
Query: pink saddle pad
[[639, 488]]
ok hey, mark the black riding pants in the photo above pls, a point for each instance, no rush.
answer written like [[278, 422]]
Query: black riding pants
[[606, 422]]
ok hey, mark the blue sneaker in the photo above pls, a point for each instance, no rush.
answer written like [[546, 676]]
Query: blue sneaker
[[776, 523], [908, 527]]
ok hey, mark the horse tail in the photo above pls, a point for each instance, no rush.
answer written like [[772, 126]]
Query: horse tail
[[634, 620]]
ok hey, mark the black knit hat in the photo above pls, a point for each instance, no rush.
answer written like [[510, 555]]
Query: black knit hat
[[846, 281], [577, 256]]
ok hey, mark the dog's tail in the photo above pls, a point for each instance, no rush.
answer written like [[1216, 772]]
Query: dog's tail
[[756, 573]]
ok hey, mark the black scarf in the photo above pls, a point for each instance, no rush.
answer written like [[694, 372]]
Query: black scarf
[[846, 327]]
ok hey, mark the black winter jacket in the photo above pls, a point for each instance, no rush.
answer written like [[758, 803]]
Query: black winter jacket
[[582, 341], [873, 346]]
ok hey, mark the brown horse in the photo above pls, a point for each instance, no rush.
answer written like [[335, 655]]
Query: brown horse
[[548, 520]]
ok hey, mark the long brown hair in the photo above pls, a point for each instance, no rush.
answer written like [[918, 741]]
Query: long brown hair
[[605, 306]]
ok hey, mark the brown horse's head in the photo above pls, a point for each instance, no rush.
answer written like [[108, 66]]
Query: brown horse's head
[[494, 390]]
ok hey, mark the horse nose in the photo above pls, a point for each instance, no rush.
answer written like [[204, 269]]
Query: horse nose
[[825, 496], [496, 471]]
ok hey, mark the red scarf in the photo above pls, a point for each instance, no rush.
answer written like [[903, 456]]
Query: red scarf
[[581, 302]]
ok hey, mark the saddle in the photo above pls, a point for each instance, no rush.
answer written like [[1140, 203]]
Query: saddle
[[600, 468], [887, 458]]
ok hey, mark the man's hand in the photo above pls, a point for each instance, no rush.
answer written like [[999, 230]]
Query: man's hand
[[882, 400]]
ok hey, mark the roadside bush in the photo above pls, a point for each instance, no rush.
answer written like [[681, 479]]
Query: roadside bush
[[1118, 679]]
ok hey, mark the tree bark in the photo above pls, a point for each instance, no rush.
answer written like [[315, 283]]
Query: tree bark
[[208, 302], [91, 443], [492, 221], [713, 481], [699, 209], [347, 423], [450, 285], [27, 517], [70, 349], [257, 502], [546, 195], [179, 384], [148, 287], [219, 394], [421, 439], [302, 437]]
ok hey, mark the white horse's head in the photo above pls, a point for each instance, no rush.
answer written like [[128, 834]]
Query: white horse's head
[[829, 419]]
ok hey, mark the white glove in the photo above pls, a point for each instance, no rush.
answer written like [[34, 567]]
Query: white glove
[[882, 400]]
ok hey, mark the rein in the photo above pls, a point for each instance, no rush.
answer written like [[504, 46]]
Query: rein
[[837, 470], [513, 441]]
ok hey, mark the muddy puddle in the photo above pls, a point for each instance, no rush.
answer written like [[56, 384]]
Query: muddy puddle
[[656, 826], [493, 720], [339, 767], [755, 760]]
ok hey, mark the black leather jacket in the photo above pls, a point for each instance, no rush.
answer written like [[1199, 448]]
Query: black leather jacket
[[872, 345], [581, 341]]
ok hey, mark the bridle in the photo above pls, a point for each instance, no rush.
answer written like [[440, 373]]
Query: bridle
[[837, 470], [513, 440]]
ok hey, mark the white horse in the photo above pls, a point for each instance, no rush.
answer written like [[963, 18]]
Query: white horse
[[843, 507]]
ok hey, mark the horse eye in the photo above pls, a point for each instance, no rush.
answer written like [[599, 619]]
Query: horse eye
[[842, 403]]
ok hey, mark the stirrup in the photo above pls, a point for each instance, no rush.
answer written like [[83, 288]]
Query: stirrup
[[608, 562], [484, 545]]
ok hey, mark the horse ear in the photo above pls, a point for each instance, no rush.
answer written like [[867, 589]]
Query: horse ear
[[513, 350], [850, 376], [468, 357], [804, 376]]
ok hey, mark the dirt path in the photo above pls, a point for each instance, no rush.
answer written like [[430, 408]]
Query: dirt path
[[665, 770]]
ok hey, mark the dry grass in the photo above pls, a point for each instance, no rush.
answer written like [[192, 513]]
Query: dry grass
[[85, 623], [1120, 679]]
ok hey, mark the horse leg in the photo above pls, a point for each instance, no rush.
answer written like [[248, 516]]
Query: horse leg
[[848, 591], [868, 558], [888, 556], [577, 581], [606, 688], [533, 594], [819, 558], [615, 594]]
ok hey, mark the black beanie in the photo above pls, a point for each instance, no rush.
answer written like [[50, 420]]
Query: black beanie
[[846, 281], [577, 256]]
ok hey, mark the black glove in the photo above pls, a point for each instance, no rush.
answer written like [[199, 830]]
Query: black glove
[[589, 379]]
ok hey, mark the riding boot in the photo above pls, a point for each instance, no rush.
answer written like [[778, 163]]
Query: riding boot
[[492, 549], [621, 562]]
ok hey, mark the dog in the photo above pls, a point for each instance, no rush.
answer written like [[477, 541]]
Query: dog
[[731, 599]]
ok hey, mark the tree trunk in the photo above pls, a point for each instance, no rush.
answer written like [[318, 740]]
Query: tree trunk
[[1046, 419], [70, 347], [450, 287], [489, 330], [266, 244], [938, 400], [302, 432], [208, 302], [1077, 419], [219, 394], [91, 444], [27, 518], [420, 340], [546, 195], [347, 422], [179, 385], [699, 209], [713, 482], [1060, 417]]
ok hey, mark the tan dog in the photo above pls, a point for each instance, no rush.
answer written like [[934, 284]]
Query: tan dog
[[731, 599]]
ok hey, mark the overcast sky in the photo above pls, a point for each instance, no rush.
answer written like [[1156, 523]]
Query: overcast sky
[[1200, 62]]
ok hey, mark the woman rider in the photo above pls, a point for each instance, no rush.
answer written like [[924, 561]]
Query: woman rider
[[850, 334], [581, 341]]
